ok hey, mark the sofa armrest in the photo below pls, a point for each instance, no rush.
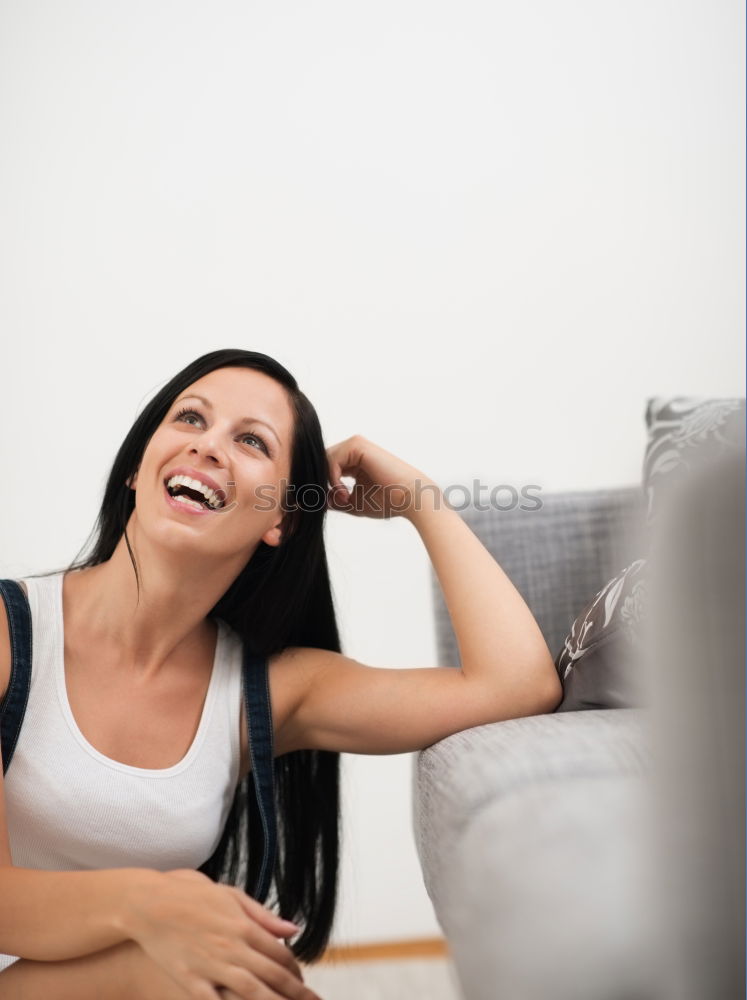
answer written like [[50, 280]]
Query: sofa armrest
[[527, 832]]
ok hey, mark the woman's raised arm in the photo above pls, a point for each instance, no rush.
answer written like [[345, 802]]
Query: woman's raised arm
[[501, 646], [507, 670]]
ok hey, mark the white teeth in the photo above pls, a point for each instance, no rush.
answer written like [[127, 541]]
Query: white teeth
[[195, 484], [187, 500]]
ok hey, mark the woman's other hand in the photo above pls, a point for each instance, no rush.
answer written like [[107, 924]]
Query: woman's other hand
[[385, 486], [204, 934]]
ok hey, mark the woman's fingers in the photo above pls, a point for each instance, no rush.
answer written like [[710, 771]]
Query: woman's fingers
[[385, 485], [266, 917], [226, 994], [345, 458], [335, 472], [277, 981], [208, 930], [339, 493], [265, 944], [146, 980], [266, 925]]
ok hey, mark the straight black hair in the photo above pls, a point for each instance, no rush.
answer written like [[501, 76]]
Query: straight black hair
[[281, 598]]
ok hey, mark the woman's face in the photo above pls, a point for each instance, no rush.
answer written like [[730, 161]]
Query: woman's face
[[238, 437]]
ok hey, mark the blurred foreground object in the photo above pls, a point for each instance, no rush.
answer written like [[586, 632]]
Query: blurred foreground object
[[697, 694]]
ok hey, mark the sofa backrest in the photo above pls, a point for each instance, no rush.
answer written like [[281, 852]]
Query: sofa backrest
[[557, 556]]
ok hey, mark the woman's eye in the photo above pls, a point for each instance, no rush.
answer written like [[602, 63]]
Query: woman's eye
[[193, 413], [254, 437], [187, 413]]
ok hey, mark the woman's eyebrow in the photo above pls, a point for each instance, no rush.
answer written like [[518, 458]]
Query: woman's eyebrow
[[246, 420]]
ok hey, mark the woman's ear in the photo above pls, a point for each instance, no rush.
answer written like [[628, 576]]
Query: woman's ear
[[283, 530], [132, 481], [274, 536]]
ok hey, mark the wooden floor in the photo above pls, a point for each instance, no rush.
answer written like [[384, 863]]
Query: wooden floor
[[405, 979], [384, 979]]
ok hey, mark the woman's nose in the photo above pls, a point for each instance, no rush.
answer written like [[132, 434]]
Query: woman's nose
[[209, 446]]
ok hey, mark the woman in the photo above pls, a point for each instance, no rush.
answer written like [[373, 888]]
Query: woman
[[210, 542]]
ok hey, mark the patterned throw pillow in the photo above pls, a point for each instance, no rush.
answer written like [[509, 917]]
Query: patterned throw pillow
[[686, 433], [597, 664]]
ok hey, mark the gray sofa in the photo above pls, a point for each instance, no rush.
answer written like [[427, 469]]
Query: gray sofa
[[533, 833]]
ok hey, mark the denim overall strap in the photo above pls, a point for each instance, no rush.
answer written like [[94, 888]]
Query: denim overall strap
[[259, 718], [13, 705]]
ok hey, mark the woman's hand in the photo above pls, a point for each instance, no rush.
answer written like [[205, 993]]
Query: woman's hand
[[204, 934], [385, 486]]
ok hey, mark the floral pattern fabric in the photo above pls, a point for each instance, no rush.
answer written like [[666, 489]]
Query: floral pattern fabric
[[594, 663], [599, 664], [685, 433]]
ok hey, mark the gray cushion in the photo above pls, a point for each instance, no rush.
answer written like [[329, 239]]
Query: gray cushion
[[557, 557]]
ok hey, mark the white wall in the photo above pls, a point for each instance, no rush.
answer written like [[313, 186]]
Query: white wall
[[479, 233]]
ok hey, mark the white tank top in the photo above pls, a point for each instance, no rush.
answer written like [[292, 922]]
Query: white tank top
[[68, 807]]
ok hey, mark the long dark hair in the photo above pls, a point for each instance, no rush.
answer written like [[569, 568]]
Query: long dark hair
[[281, 598]]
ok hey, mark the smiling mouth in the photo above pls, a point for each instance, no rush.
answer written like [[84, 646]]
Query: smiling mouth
[[193, 498]]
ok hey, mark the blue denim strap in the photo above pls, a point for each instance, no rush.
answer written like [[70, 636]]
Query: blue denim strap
[[13, 705], [259, 718]]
